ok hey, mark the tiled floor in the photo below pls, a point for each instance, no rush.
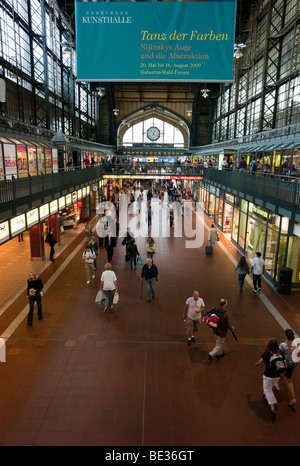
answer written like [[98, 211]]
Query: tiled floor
[[81, 377]]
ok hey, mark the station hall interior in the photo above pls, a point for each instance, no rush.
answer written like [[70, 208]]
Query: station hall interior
[[224, 153]]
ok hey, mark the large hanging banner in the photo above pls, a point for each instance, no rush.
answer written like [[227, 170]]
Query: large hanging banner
[[155, 40]]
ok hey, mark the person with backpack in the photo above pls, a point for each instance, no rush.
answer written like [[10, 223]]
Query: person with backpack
[[274, 370], [220, 328], [52, 242]]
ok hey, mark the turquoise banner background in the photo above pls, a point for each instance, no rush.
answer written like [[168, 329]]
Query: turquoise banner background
[[155, 41]]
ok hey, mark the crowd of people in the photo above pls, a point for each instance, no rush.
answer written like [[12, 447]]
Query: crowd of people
[[218, 317]]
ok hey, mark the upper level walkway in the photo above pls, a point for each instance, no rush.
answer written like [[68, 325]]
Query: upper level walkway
[[278, 193], [81, 377]]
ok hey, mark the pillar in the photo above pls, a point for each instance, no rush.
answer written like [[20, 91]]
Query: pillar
[[37, 241], [54, 222]]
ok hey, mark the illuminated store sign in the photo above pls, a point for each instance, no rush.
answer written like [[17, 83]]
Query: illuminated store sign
[[4, 231], [44, 211], [156, 177], [61, 202], [32, 217], [18, 224], [53, 207]]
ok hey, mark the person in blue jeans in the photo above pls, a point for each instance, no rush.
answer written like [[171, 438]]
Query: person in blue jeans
[[243, 269], [150, 273]]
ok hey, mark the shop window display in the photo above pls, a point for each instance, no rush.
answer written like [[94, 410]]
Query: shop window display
[[271, 251], [242, 230], [281, 254], [293, 258], [256, 235], [235, 225]]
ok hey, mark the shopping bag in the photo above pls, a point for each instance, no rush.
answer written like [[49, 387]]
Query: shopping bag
[[139, 261], [116, 298], [100, 297]]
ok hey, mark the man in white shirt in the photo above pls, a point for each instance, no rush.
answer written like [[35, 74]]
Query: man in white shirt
[[258, 268], [192, 316]]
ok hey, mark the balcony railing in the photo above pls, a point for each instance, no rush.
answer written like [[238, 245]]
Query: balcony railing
[[279, 194]]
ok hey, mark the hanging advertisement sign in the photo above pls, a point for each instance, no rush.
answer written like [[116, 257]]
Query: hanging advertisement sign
[[10, 159], [155, 41], [55, 160]]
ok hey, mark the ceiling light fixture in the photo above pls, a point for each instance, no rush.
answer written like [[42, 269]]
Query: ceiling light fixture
[[67, 47], [205, 93], [101, 91], [238, 50]]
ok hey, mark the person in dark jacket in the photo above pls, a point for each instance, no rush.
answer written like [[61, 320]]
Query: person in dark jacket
[[150, 273], [220, 332], [110, 244], [52, 242], [132, 251], [34, 288]]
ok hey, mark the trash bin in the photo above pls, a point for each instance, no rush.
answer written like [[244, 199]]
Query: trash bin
[[285, 280]]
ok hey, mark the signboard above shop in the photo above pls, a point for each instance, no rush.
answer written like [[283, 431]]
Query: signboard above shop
[[155, 41]]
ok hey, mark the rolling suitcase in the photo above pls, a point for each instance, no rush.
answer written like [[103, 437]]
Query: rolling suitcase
[[208, 250]]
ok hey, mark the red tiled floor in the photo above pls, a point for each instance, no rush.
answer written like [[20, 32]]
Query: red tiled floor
[[81, 377]]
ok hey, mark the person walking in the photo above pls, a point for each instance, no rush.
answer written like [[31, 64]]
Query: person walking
[[244, 269], [288, 347], [149, 273], [220, 332], [150, 248], [133, 252], [109, 244], [257, 268], [89, 256], [109, 285], [213, 236], [34, 289], [94, 247], [270, 377], [149, 215], [192, 316], [242, 165], [52, 242]]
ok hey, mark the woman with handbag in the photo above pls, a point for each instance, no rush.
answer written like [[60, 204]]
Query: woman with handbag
[[109, 285]]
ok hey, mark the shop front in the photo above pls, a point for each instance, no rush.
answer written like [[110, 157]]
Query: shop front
[[252, 228]]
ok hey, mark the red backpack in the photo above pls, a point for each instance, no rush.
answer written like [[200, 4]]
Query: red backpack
[[211, 318]]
